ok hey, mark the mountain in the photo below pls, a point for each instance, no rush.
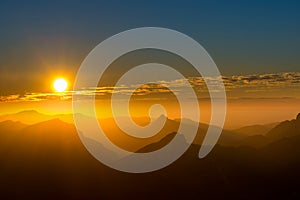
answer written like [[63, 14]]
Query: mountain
[[130, 143], [11, 126], [256, 129], [280, 131], [33, 117], [8, 133], [235, 138], [252, 136], [26, 117], [255, 141], [227, 137], [48, 161], [46, 137], [119, 137], [285, 129], [160, 144]]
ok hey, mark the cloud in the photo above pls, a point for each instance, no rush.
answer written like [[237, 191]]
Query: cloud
[[273, 80], [36, 97], [235, 86]]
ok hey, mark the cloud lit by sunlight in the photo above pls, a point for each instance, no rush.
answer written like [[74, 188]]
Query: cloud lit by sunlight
[[277, 85]]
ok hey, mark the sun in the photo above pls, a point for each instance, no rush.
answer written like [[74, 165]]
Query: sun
[[60, 85]]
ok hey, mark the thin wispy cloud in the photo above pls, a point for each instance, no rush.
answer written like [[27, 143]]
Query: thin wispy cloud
[[235, 86]]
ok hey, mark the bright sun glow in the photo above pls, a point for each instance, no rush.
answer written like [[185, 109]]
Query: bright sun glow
[[60, 85]]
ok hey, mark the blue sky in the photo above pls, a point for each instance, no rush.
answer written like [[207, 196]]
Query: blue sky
[[243, 37]]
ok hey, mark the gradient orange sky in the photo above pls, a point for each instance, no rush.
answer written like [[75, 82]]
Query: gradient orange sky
[[252, 99], [255, 46]]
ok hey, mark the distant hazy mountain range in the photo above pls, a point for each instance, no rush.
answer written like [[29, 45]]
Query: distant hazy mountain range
[[33, 117], [252, 136], [47, 160], [261, 136]]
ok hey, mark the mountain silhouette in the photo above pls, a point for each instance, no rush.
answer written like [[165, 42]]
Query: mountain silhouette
[[27, 117], [227, 137], [11, 126], [47, 160], [33, 117], [158, 145], [285, 129], [258, 138], [8, 133], [256, 129]]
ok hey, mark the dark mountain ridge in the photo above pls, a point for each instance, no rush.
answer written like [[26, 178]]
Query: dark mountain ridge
[[47, 160]]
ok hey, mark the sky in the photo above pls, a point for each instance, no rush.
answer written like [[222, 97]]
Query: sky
[[256, 41], [48, 37]]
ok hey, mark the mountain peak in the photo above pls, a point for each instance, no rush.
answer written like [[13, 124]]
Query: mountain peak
[[298, 117], [28, 113], [11, 125], [53, 126], [162, 116]]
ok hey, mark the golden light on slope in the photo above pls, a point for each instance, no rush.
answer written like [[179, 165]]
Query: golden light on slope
[[60, 85]]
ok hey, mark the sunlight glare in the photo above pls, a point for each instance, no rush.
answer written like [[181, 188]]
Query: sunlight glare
[[60, 85]]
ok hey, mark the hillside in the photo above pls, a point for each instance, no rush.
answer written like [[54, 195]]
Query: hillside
[[256, 129], [47, 160]]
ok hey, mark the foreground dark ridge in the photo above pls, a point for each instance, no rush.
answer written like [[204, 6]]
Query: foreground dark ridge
[[47, 160]]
